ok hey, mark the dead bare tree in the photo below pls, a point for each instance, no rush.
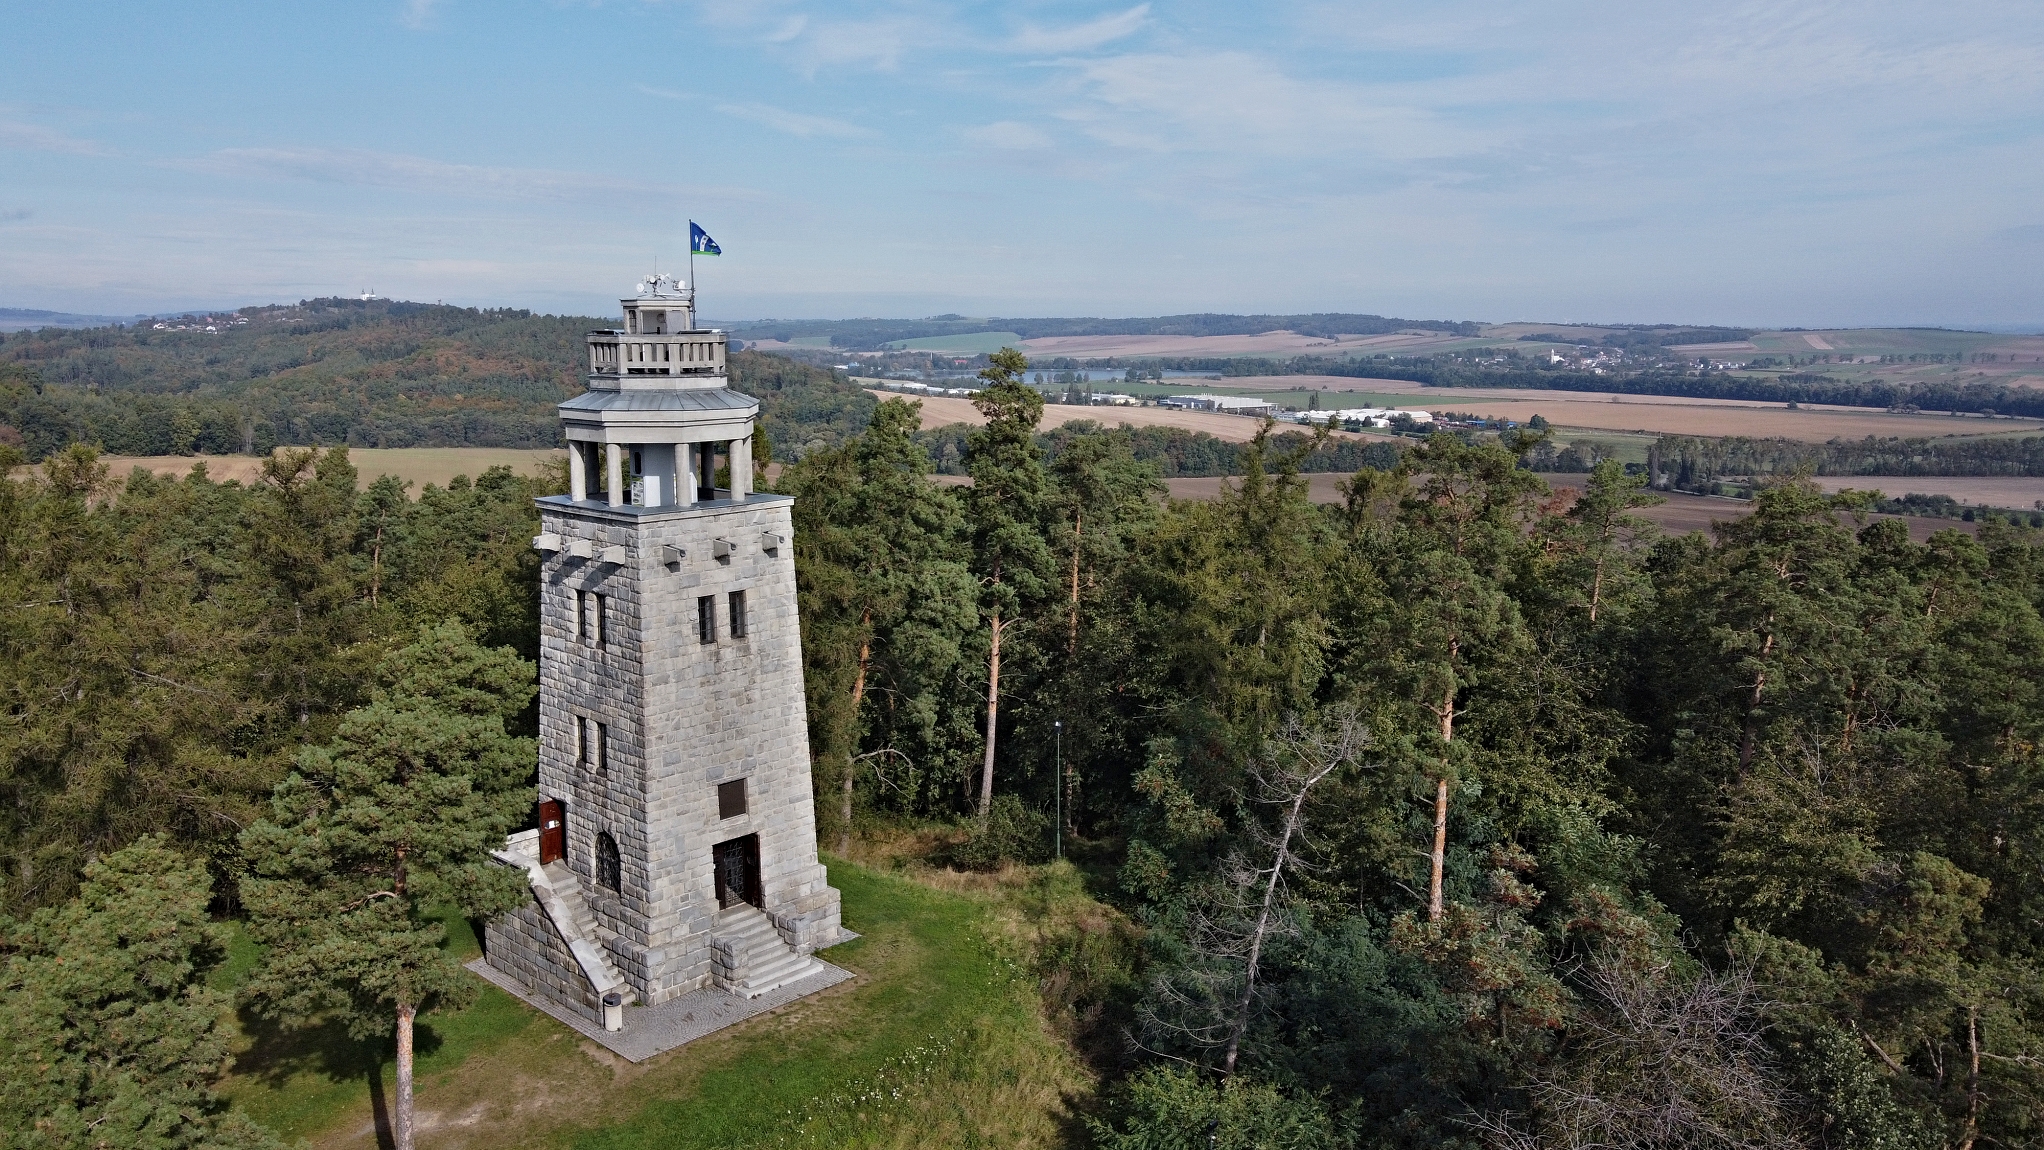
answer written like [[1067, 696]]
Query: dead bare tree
[[1657, 1061], [1210, 1002]]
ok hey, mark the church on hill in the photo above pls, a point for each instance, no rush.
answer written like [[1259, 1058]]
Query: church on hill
[[676, 846]]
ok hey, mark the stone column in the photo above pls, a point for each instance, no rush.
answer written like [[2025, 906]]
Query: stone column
[[615, 473], [685, 472], [741, 468], [578, 472]]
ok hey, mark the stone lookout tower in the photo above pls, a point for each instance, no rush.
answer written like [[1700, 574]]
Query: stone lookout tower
[[676, 846]]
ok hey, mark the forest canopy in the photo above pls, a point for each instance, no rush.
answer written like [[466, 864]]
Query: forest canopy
[[359, 373], [1455, 813]]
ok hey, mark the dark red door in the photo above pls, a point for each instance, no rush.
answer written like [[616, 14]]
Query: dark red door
[[553, 831]]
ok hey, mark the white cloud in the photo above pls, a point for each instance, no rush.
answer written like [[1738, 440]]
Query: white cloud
[[1238, 103], [411, 173], [419, 14], [796, 123], [1010, 135], [22, 136], [1080, 37]]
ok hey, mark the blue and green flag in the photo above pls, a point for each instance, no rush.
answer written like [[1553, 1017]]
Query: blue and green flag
[[700, 243]]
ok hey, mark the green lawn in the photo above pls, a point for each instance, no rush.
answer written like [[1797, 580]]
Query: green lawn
[[939, 1042], [299, 1082]]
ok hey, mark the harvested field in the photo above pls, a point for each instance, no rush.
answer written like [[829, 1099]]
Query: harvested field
[[2018, 492], [938, 411], [1713, 348], [416, 465], [1653, 414], [1267, 343], [1817, 341]]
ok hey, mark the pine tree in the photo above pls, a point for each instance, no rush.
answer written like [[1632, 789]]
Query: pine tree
[[1007, 510], [379, 829], [109, 1035], [886, 595]]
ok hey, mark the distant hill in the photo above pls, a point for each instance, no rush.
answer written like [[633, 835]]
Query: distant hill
[[367, 373], [873, 334], [24, 318]]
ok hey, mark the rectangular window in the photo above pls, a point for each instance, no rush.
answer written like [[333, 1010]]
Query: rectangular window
[[581, 611], [602, 749], [581, 741], [602, 605], [738, 614], [731, 799], [706, 618]]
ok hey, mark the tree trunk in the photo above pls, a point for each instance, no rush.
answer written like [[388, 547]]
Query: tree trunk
[[1078, 530], [1746, 734], [376, 565], [402, 1105], [1972, 1079], [1438, 858], [844, 830], [1596, 588], [1256, 938], [1437, 861], [986, 771]]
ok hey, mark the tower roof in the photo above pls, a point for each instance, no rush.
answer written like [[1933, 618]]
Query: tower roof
[[659, 378]]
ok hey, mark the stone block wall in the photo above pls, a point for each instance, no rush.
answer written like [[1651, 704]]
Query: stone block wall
[[683, 716], [525, 945]]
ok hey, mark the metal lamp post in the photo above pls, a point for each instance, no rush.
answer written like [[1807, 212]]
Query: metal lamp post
[[1059, 804]]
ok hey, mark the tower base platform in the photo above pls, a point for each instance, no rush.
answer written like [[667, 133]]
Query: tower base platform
[[650, 1031]]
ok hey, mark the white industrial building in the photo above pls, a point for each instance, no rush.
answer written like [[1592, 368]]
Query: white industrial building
[[1225, 404], [1367, 416]]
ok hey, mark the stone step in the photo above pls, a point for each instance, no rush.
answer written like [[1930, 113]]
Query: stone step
[[561, 892], [769, 962]]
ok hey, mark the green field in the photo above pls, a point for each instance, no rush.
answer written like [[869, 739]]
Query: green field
[[940, 1041], [971, 343]]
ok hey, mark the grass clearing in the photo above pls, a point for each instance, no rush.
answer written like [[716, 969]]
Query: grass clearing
[[941, 1041]]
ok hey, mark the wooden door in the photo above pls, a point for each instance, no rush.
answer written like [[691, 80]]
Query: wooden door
[[737, 867], [553, 831]]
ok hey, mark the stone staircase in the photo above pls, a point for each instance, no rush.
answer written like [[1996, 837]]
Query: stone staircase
[[751, 959], [561, 894]]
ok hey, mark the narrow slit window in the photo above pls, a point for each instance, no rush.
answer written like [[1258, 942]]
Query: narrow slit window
[[602, 749], [581, 741], [581, 611], [601, 604], [609, 870], [738, 614], [706, 618]]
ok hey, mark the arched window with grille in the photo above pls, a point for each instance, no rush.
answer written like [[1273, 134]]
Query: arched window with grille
[[607, 866]]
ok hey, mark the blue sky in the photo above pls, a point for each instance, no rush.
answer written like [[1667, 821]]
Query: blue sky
[[1779, 163]]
